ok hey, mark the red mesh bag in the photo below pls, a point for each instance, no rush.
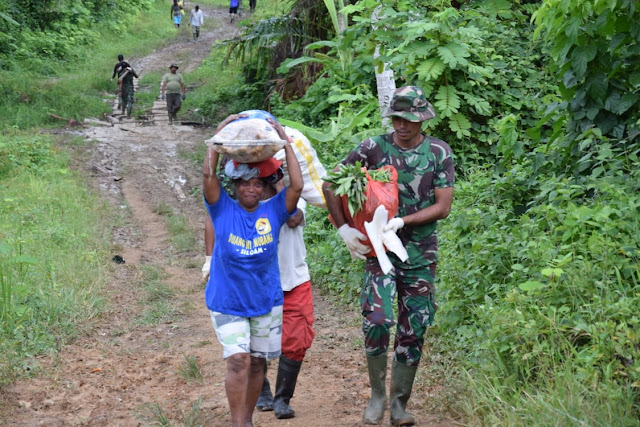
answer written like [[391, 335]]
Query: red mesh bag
[[377, 193]]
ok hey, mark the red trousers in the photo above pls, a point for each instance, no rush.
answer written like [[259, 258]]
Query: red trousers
[[297, 322]]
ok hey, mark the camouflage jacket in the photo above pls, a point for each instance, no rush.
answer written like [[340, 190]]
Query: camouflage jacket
[[421, 170]]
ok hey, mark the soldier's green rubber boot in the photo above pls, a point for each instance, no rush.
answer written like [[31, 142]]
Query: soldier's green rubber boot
[[377, 366], [402, 377]]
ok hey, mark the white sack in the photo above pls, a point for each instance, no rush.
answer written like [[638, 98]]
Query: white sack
[[312, 170], [249, 139]]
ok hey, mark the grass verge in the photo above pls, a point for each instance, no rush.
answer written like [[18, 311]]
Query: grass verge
[[53, 252]]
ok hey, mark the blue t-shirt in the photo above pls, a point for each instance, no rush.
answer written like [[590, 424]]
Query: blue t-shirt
[[244, 279]]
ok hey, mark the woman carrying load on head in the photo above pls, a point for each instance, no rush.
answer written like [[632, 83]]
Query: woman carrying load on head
[[244, 293]]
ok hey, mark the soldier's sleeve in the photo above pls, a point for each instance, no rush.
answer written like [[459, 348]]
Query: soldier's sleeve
[[360, 154], [445, 175]]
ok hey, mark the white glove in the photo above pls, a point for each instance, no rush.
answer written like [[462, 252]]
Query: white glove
[[394, 225], [206, 267], [352, 238]]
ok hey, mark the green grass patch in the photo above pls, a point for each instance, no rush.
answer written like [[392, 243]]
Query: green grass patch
[[156, 415], [53, 251], [158, 304], [182, 236], [189, 369]]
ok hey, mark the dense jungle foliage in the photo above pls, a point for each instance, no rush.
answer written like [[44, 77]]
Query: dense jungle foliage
[[539, 273]]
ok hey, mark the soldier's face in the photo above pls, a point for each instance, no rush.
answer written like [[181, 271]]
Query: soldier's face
[[406, 131]]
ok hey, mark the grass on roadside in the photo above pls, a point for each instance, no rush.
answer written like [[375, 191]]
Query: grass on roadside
[[53, 252]]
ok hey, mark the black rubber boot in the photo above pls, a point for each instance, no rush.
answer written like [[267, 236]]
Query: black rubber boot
[[402, 377], [285, 385], [265, 400], [377, 366]]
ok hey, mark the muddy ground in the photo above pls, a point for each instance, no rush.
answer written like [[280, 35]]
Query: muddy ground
[[127, 373]]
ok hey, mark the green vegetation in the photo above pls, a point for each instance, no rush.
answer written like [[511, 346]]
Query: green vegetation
[[182, 237], [154, 414], [158, 304], [53, 246], [189, 369], [52, 255]]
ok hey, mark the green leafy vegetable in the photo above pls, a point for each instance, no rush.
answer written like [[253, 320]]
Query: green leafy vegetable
[[351, 181]]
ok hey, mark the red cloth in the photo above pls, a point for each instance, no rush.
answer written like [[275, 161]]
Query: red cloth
[[266, 168], [297, 322]]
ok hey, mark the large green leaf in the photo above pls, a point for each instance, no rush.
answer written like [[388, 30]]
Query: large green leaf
[[624, 103], [8, 19], [453, 54], [597, 86], [480, 105], [531, 285], [580, 58], [290, 63], [459, 124], [310, 132], [430, 69], [448, 101], [321, 44]]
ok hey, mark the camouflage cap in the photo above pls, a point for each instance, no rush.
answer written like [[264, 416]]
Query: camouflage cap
[[174, 65], [410, 103]]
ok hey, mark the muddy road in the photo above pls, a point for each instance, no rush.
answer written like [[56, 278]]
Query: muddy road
[[128, 371]]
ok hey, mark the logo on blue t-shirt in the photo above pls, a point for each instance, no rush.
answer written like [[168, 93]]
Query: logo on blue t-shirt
[[263, 226]]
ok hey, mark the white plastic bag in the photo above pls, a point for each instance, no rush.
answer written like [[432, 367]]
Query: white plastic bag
[[249, 139]]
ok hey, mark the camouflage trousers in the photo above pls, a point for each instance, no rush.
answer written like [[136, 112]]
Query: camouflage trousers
[[415, 292], [127, 98]]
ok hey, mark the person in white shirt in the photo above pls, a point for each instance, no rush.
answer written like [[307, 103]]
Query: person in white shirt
[[195, 21]]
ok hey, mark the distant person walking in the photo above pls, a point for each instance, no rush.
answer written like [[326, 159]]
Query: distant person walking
[[174, 91], [195, 21], [176, 13], [120, 66], [118, 70], [233, 9], [252, 5], [126, 89]]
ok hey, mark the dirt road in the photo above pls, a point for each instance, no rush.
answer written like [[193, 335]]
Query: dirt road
[[126, 372]]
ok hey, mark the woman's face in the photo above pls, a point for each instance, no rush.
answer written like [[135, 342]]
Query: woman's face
[[249, 193]]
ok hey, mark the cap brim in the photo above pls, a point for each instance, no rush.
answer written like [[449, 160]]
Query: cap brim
[[412, 117], [405, 115]]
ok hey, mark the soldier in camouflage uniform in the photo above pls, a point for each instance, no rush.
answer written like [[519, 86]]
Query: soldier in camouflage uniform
[[425, 183], [125, 81]]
